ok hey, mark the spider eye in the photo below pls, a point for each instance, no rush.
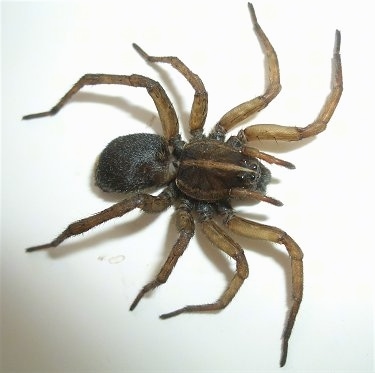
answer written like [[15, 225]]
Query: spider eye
[[242, 176], [250, 164], [247, 178]]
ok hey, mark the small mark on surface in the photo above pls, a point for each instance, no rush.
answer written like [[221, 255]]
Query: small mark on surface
[[112, 259]]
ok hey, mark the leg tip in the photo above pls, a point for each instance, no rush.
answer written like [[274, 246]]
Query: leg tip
[[252, 13], [337, 41]]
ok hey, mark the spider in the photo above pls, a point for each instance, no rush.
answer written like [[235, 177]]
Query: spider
[[200, 177]]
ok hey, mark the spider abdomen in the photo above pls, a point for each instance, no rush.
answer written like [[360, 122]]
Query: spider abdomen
[[134, 162], [210, 169]]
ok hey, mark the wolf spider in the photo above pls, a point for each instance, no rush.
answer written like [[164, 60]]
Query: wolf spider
[[201, 177]]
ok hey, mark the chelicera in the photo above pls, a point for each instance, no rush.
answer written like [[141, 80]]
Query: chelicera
[[202, 176]]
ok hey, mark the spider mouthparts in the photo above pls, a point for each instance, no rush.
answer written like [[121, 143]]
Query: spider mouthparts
[[251, 194]]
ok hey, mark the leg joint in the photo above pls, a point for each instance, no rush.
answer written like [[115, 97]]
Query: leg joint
[[294, 250], [242, 267]]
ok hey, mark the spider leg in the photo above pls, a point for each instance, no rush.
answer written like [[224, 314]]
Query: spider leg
[[289, 133], [263, 232], [145, 202], [163, 104], [198, 111], [246, 109], [225, 243], [185, 225]]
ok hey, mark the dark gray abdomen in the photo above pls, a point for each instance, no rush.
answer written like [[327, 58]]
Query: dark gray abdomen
[[133, 162]]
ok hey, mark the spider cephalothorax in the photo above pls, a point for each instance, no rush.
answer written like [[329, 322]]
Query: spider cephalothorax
[[200, 177]]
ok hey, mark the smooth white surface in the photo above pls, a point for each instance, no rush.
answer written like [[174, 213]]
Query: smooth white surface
[[67, 310]]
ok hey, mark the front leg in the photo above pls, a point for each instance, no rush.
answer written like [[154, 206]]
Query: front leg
[[248, 108], [289, 133], [254, 230]]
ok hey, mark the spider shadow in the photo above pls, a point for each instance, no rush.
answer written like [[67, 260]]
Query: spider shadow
[[137, 112]]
